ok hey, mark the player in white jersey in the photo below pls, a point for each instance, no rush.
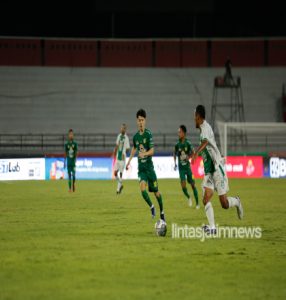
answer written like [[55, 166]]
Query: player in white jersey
[[215, 178], [122, 145]]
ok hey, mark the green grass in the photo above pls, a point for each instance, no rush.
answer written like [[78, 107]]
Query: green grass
[[95, 245]]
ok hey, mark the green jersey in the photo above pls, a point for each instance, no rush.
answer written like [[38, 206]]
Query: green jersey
[[183, 150], [71, 152], [143, 143]]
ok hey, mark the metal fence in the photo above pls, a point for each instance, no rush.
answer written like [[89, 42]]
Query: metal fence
[[45, 144], [41, 144]]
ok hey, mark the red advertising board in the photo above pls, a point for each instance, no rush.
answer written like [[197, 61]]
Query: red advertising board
[[236, 167]]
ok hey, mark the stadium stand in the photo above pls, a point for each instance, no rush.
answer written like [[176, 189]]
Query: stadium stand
[[46, 102]]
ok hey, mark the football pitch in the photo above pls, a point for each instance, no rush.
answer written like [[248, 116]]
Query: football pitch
[[95, 245]]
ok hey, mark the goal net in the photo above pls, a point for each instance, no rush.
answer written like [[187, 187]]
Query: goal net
[[246, 137]]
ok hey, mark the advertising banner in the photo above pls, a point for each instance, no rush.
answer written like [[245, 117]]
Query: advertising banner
[[86, 168], [22, 169], [275, 167], [163, 165], [102, 168], [236, 167]]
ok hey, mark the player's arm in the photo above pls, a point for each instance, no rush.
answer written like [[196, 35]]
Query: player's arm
[[115, 150], [175, 159], [191, 151], [150, 152], [65, 157], [76, 152], [133, 152], [201, 147], [126, 146], [116, 147]]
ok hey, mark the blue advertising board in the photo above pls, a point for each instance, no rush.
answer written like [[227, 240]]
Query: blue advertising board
[[86, 168]]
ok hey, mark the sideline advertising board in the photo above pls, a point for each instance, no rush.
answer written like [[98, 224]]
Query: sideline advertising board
[[275, 167], [86, 168], [22, 169], [103, 168]]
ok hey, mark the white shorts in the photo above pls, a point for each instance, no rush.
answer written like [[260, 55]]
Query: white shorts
[[119, 166], [217, 181]]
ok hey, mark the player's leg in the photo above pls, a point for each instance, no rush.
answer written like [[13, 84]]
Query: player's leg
[[208, 189], [153, 188], [185, 190], [221, 184], [73, 179], [70, 178], [143, 187], [116, 170], [121, 169], [182, 174], [160, 202], [120, 182], [191, 181], [228, 202]]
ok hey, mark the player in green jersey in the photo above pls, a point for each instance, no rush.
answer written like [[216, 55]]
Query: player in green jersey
[[215, 178], [70, 159], [143, 144], [184, 150]]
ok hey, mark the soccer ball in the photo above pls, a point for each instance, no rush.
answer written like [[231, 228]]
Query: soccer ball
[[160, 228]]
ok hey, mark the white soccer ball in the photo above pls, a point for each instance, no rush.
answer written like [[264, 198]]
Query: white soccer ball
[[160, 228]]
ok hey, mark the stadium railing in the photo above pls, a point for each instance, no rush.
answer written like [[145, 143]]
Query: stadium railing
[[256, 139], [41, 144]]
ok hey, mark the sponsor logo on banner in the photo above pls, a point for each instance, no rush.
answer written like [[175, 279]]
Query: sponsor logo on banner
[[86, 168], [277, 167], [22, 169], [163, 165], [236, 167]]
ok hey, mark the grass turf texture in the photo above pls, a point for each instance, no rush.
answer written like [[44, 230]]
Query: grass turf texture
[[96, 245]]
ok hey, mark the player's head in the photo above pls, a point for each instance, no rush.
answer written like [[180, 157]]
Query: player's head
[[141, 119], [200, 115], [123, 128], [70, 134], [182, 131]]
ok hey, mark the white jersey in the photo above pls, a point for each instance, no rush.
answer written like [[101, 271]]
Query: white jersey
[[123, 144], [211, 154]]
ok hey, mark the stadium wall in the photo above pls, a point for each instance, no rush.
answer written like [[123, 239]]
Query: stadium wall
[[142, 53]]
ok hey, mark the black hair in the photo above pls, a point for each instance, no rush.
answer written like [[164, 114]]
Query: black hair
[[184, 129], [141, 113], [201, 111], [70, 130]]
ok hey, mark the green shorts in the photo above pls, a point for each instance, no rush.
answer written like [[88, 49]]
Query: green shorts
[[186, 173], [71, 169], [149, 176]]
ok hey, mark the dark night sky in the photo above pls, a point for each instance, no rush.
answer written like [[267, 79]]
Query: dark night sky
[[126, 18]]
